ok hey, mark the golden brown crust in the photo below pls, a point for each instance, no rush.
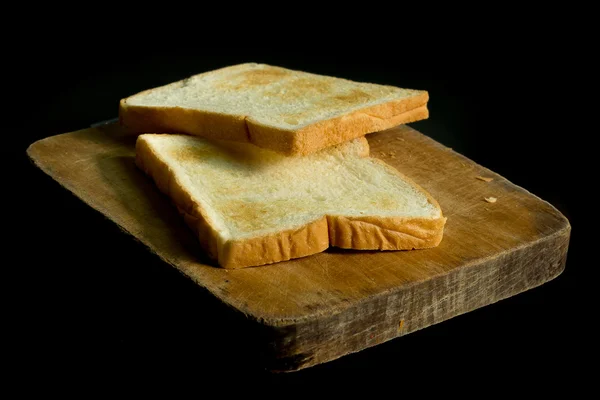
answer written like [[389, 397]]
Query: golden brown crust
[[332, 131], [307, 140], [376, 233], [361, 122], [139, 120], [281, 246], [362, 233]]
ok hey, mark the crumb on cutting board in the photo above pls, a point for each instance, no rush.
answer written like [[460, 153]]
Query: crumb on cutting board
[[490, 199], [484, 178]]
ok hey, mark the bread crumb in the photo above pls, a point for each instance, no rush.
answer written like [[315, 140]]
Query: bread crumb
[[399, 138], [491, 199], [484, 178]]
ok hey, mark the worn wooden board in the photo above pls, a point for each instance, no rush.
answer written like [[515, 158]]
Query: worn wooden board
[[321, 307]]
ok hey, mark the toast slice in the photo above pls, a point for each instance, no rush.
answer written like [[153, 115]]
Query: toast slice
[[250, 206], [292, 112]]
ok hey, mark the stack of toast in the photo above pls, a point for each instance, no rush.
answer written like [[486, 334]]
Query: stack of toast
[[267, 164]]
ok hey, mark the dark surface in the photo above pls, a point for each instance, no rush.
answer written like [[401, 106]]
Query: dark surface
[[124, 310]]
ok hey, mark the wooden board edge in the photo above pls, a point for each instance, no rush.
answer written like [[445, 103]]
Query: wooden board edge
[[398, 313]]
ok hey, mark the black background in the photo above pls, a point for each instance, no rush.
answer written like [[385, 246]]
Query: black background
[[90, 298]]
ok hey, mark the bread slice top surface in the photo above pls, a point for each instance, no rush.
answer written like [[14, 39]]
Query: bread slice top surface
[[245, 191], [278, 97]]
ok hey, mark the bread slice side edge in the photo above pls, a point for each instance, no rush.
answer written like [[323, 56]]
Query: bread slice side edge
[[330, 132], [302, 141]]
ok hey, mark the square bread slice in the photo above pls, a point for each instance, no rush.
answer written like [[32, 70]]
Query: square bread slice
[[292, 112], [250, 206]]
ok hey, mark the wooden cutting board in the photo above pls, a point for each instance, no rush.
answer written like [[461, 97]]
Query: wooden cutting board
[[321, 307]]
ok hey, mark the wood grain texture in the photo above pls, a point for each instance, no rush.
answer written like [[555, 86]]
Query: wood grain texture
[[321, 307]]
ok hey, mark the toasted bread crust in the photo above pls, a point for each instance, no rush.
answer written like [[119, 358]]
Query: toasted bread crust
[[302, 141], [362, 233], [309, 239], [373, 233], [334, 131], [308, 140]]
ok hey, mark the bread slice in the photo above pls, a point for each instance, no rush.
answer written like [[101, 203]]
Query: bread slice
[[250, 206], [288, 111]]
